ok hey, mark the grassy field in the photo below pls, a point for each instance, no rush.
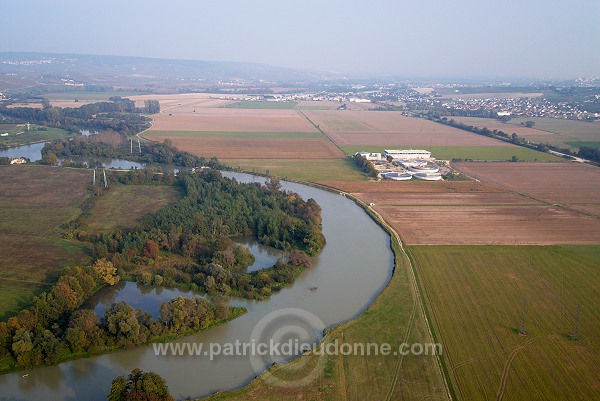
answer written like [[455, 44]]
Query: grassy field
[[33, 207], [234, 134], [393, 318], [561, 132], [305, 170], [484, 153], [477, 296], [123, 205], [578, 145], [20, 136], [249, 104]]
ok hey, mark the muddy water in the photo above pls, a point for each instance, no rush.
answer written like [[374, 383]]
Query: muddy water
[[352, 269]]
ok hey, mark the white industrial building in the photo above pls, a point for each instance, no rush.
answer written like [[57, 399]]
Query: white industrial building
[[370, 156], [406, 154]]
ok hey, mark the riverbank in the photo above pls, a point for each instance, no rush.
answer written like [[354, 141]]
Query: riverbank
[[397, 309]]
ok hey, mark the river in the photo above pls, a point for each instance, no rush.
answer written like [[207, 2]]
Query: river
[[352, 269]]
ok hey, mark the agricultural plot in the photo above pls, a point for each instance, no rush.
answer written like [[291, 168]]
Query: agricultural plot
[[382, 128], [240, 120], [257, 148], [33, 206], [258, 105], [485, 224], [124, 205], [559, 132], [476, 296], [18, 134], [493, 124], [340, 170], [562, 183], [234, 134]]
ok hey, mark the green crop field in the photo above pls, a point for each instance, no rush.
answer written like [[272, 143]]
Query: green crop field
[[123, 205], [251, 104], [20, 136], [484, 153], [233, 134], [304, 170], [34, 202], [479, 297]]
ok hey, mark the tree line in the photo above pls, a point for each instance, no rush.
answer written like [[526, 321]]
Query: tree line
[[114, 145], [56, 329], [366, 166], [118, 114]]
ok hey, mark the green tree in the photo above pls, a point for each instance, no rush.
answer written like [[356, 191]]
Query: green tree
[[139, 385]]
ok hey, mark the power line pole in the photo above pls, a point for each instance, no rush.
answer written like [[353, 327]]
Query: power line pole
[[522, 331], [575, 333]]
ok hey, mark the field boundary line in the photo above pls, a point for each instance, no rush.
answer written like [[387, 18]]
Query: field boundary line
[[418, 303]]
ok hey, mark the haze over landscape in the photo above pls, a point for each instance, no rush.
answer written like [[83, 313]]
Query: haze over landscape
[[463, 38], [318, 200]]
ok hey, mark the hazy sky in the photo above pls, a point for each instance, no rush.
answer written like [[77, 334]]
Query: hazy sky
[[479, 38]]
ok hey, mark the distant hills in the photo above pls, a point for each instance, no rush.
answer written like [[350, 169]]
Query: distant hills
[[68, 72]]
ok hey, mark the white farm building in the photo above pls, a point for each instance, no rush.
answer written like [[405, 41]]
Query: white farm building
[[407, 154]]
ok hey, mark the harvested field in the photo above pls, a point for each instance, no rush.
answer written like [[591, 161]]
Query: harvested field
[[562, 183], [234, 134], [305, 170], [258, 148], [445, 199], [413, 186], [220, 119], [317, 105], [507, 225], [183, 103], [261, 105], [33, 206], [387, 128], [476, 296]]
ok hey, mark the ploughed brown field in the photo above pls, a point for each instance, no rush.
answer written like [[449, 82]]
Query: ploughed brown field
[[564, 183], [257, 148], [390, 128], [514, 204], [456, 198], [506, 225], [240, 120]]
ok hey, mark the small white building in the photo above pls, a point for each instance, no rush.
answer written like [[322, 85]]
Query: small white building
[[370, 156], [406, 154], [18, 160]]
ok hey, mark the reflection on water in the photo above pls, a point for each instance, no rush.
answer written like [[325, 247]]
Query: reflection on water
[[264, 256], [32, 152]]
